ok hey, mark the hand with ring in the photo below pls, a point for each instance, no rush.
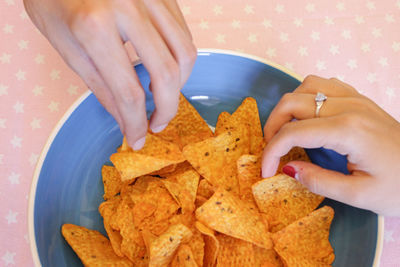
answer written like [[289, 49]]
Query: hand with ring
[[341, 119]]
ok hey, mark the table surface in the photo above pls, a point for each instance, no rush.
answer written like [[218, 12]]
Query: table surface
[[356, 41]]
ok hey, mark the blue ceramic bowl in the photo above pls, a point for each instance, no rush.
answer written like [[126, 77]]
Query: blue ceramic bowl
[[67, 186]]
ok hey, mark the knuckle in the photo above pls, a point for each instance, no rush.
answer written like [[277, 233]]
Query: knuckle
[[131, 96], [309, 79], [169, 75], [86, 22], [189, 55]]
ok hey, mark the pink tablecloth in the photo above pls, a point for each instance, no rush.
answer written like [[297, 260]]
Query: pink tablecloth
[[357, 41]]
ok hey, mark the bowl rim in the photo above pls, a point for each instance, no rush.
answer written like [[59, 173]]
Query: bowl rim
[[85, 95]]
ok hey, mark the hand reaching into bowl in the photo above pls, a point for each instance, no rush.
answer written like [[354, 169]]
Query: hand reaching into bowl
[[352, 125], [90, 36]]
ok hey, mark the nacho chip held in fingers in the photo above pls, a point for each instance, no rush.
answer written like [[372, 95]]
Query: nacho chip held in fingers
[[155, 155], [228, 214], [249, 172], [305, 242], [215, 158], [187, 126], [283, 200], [92, 247], [296, 153]]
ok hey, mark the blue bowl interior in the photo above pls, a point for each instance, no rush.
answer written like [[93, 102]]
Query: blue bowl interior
[[70, 189]]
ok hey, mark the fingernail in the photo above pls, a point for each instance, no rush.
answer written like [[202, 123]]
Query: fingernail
[[289, 170], [139, 143], [158, 128]]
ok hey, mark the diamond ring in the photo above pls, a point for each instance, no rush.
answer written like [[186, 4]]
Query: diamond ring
[[320, 98]]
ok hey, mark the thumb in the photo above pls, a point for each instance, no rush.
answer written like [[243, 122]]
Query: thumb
[[328, 183]]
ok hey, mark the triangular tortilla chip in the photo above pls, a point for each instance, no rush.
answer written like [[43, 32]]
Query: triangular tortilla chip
[[205, 189], [184, 257], [162, 249], [111, 181], [215, 158], [187, 126], [249, 172], [296, 153], [211, 244], [235, 252], [196, 243], [266, 257], [305, 242], [226, 213], [92, 247], [221, 122], [155, 155], [107, 210], [284, 200]]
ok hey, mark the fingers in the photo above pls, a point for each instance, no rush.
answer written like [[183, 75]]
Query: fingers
[[349, 189], [174, 9], [98, 35], [312, 133], [331, 87]]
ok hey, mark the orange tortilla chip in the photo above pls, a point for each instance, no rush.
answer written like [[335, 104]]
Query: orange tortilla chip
[[92, 247], [215, 158], [187, 126], [221, 122], [162, 249], [235, 252], [107, 210], [155, 155], [211, 244], [184, 257], [226, 213], [284, 200], [196, 243], [305, 242], [111, 181], [249, 172], [266, 257], [296, 153], [200, 200], [205, 189], [165, 170]]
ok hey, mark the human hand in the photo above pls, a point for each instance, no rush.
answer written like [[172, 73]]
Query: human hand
[[90, 36], [352, 125]]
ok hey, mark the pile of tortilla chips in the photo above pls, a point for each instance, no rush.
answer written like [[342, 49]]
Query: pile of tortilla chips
[[194, 198]]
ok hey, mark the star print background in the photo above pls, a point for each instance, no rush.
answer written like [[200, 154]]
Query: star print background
[[356, 41]]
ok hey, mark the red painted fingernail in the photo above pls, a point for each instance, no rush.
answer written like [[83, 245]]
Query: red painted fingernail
[[289, 170]]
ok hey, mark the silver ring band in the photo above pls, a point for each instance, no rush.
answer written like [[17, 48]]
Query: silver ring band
[[320, 98]]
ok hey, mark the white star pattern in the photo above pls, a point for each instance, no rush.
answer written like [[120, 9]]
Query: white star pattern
[[370, 5], [346, 34], [352, 64], [271, 52], [371, 77], [217, 10], [334, 50], [35, 124], [39, 59], [396, 46], [289, 65], [37, 90], [11, 217], [340, 6], [23, 44], [284, 37], [328, 21], [20, 75], [53, 106], [280, 9], [267, 23], [388, 236], [16, 141], [310, 7], [7, 29], [33, 159], [315, 36], [186, 10], [383, 61], [298, 22], [8, 258], [303, 51], [19, 107], [389, 18], [203, 24], [72, 89], [249, 9], [220, 38], [23, 15], [10, 2], [365, 47], [3, 90], [252, 38], [376, 32], [55, 75], [390, 92], [359, 19], [236, 24], [5, 58], [398, 4], [1, 159], [321, 65], [3, 123], [14, 178]]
